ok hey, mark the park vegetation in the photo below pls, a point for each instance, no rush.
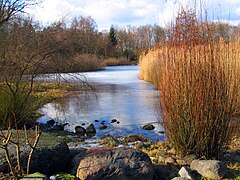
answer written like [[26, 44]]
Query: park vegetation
[[196, 70], [193, 62], [28, 49]]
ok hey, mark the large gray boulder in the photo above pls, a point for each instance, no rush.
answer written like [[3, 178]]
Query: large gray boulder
[[50, 156], [212, 169], [113, 163]]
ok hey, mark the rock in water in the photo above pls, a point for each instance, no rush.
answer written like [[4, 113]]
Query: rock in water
[[114, 163], [79, 130], [59, 127], [90, 130], [148, 127], [114, 120], [51, 122], [102, 126], [212, 169]]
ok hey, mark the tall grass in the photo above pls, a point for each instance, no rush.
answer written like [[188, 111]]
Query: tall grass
[[197, 74], [13, 108], [116, 61]]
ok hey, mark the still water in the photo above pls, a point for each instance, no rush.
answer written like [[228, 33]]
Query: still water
[[118, 94]]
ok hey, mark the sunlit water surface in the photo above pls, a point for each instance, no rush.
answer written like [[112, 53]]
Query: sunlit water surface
[[118, 94]]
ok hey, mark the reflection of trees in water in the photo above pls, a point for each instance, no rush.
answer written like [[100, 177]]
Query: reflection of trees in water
[[76, 105]]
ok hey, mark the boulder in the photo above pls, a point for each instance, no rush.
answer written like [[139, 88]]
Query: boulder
[[113, 163], [90, 130], [50, 160], [79, 130], [50, 156], [185, 172], [149, 127], [109, 141], [134, 138], [212, 169]]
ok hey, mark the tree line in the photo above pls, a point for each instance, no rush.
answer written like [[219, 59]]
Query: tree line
[[28, 48]]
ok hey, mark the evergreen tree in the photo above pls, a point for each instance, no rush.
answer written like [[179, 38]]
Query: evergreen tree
[[112, 36]]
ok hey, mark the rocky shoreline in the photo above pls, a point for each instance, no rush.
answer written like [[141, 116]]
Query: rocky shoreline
[[80, 156]]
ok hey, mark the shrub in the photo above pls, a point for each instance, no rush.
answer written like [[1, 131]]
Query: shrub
[[86, 62], [198, 80], [20, 105], [116, 61]]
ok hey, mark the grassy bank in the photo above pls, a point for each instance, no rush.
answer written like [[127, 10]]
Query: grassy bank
[[24, 109], [197, 73]]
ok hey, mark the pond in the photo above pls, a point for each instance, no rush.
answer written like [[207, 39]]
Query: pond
[[118, 94]]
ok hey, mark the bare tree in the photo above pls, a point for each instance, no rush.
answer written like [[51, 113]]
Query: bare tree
[[9, 8], [26, 50]]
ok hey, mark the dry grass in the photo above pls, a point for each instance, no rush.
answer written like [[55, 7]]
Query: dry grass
[[198, 76], [86, 62], [116, 62]]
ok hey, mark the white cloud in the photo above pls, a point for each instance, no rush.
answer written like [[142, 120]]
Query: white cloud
[[237, 11], [133, 12], [53, 10]]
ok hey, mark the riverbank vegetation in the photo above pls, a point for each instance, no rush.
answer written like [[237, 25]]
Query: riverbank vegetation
[[28, 49], [197, 73], [24, 108]]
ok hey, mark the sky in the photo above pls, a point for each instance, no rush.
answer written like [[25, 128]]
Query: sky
[[130, 12]]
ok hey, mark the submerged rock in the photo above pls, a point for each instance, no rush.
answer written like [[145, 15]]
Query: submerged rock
[[148, 127], [116, 163]]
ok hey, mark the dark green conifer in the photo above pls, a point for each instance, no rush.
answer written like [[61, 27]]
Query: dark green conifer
[[112, 36]]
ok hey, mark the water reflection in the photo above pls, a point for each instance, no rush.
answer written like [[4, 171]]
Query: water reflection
[[119, 94]]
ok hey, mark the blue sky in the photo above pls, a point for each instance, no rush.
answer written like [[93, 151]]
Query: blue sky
[[131, 12]]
